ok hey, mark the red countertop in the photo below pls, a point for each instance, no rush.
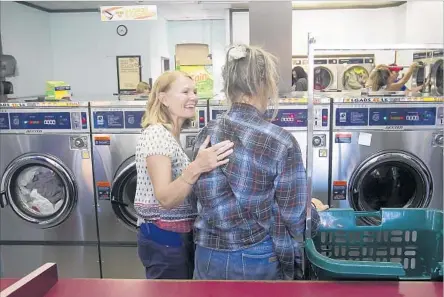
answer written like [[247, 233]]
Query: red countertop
[[6, 282], [147, 288]]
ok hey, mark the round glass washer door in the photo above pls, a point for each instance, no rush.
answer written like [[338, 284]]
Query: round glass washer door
[[39, 189], [123, 193], [354, 78], [390, 180], [419, 76], [323, 78], [437, 78]]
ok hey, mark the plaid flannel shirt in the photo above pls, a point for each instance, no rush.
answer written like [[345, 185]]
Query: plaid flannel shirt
[[261, 192]]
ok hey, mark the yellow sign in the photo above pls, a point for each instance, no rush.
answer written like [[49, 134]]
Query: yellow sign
[[128, 72], [128, 13], [203, 78]]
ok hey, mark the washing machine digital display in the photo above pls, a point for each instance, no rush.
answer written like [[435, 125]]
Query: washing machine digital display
[[289, 117], [351, 117], [108, 119], [133, 119], [403, 116], [40, 120]]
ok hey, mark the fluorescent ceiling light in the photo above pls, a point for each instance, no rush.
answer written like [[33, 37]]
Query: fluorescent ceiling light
[[344, 4]]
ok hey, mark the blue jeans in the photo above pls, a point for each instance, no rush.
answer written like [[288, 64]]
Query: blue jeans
[[258, 262], [163, 261]]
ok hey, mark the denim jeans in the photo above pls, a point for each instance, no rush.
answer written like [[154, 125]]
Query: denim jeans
[[258, 262], [166, 262]]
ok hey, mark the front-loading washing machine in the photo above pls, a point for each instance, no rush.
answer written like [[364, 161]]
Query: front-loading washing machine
[[422, 73], [48, 211], [116, 127], [301, 61], [387, 155], [325, 73], [354, 71]]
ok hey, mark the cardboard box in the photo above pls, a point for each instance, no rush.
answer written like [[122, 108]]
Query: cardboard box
[[192, 54]]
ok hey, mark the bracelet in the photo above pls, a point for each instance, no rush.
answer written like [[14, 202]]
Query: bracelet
[[185, 180]]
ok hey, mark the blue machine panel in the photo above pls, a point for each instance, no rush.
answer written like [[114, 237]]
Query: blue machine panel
[[423, 116], [108, 120], [351, 117], [40, 120], [133, 119], [289, 117], [4, 121]]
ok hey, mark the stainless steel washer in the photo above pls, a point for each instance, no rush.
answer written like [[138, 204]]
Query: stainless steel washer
[[47, 210], [115, 131], [387, 155]]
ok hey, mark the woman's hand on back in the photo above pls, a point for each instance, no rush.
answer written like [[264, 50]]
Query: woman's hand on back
[[209, 158]]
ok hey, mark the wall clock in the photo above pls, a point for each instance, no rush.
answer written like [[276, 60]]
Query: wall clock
[[122, 30]]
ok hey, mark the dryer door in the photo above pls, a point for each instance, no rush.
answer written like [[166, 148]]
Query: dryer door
[[390, 179], [39, 189], [123, 192], [323, 78], [419, 76], [437, 78], [354, 78]]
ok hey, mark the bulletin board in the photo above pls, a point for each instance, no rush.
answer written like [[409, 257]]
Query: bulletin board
[[129, 72]]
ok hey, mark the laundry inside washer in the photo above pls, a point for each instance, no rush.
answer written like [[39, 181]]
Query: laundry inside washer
[[39, 191], [322, 78]]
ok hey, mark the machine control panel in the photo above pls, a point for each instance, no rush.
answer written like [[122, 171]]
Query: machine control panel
[[132, 119], [108, 119], [351, 117], [288, 117], [389, 118], [44, 121], [425, 116]]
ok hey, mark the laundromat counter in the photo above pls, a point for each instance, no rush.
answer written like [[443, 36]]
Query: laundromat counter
[[44, 282]]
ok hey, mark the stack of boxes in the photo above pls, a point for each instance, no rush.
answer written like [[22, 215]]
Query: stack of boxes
[[194, 59]]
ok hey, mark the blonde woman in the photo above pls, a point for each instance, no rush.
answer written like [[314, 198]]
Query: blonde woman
[[253, 209], [143, 88], [383, 79], [165, 177]]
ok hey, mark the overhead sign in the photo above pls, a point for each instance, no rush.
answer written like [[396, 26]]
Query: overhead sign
[[128, 13]]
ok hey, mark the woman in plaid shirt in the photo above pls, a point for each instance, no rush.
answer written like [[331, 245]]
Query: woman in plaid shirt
[[252, 209]]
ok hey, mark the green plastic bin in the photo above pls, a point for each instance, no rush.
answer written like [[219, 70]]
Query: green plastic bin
[[407, 245]]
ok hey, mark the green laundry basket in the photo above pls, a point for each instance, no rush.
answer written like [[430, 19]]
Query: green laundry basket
[[407, 245]]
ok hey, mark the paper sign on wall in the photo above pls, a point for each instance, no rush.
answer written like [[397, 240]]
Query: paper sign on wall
[[128, 72], [128, 13]]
